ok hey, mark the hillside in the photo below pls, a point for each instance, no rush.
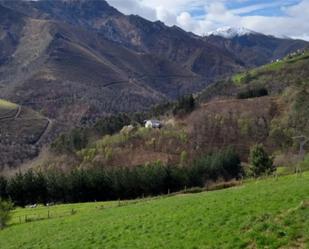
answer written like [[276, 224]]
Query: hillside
[[269, 213], [227, 115], [287, 80], [21, 130], [254, 48], [275, 77], [76, 60]]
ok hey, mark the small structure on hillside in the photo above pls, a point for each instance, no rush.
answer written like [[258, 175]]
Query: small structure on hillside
[[153, 123]]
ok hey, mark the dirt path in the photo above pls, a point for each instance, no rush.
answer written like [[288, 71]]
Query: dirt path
[[18, 112], [46, 131], [12, 116]]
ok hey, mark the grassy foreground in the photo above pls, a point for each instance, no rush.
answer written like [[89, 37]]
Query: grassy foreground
[[259, 214]]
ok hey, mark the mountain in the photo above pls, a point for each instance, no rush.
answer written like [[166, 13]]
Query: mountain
[[76, 60], [254, 49], [230, 32]]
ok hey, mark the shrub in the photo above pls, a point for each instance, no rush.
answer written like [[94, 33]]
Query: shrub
[[260, 161], [76, 139], [5, 215], [252, 93], [185, 105]]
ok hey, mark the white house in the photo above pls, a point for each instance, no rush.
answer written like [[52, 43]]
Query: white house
[[156, 124]]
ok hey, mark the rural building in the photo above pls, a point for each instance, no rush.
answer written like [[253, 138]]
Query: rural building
[[156, 124]]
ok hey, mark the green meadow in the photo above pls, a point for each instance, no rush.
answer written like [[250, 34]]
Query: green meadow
[[268, 213], [7, 108]]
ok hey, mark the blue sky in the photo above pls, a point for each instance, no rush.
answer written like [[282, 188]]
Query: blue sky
[[274, 17]]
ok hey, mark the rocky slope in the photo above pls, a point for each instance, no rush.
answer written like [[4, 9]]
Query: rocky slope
[[76, 59]]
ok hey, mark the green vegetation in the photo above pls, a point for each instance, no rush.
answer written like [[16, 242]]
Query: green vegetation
[[294, 120], [7, 105], [244, 78], [270, 213], [7, 109], [261, 162], [78, 138], [252, 93], [82, 185], [287, 62], [5, 215], [275, 77], [184, 105]]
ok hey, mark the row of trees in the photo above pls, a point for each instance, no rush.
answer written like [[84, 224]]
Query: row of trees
[[99, 184]]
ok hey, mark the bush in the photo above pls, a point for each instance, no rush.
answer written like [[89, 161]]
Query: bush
[[75, 140], [252, 93], [5, 215], [185, 105], [260, 161]]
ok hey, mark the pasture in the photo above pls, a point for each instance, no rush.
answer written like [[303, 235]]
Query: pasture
[[268, 213], [7, 109]]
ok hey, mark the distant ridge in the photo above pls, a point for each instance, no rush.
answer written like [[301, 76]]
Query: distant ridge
[[231, 32]]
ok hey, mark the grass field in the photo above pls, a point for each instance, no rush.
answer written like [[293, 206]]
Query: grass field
[[240, 78], [7, 109], [271, 213]]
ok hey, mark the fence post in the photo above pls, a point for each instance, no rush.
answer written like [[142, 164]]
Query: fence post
[[168, 191]]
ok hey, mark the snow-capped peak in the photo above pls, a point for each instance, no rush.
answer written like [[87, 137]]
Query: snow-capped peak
[[230, 32]]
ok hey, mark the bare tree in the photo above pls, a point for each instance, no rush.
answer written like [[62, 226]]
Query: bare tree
[[302, 142]]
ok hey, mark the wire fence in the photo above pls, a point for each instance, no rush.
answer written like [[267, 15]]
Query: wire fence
[[43, 215], [49, 213]]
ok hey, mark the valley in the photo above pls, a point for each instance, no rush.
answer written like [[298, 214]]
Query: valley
[[121, 132]]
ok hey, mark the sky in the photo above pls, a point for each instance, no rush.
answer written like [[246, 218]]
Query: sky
[[282, 18]]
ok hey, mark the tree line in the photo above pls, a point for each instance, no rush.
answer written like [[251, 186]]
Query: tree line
[[101, 184]]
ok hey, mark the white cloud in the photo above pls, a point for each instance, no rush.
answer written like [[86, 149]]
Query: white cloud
[[215, 14]]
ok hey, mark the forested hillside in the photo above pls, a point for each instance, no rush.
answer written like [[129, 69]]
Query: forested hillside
[[267, 105]]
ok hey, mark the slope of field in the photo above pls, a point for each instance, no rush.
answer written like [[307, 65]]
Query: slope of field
[[20, 130], [7, 109], [271, 213], [275, 77]]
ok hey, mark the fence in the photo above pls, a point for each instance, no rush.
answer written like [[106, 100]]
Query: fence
[[43, 215]]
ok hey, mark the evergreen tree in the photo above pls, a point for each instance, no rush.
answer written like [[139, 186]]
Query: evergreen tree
[[3, 186], [260, 161], [5, 215]]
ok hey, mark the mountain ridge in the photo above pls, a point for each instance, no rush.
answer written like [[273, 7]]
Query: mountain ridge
[[87, 56]]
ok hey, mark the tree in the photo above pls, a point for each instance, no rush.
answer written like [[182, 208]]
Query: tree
[[261, 162], [3, 185], [5, 215], [185, 105]]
